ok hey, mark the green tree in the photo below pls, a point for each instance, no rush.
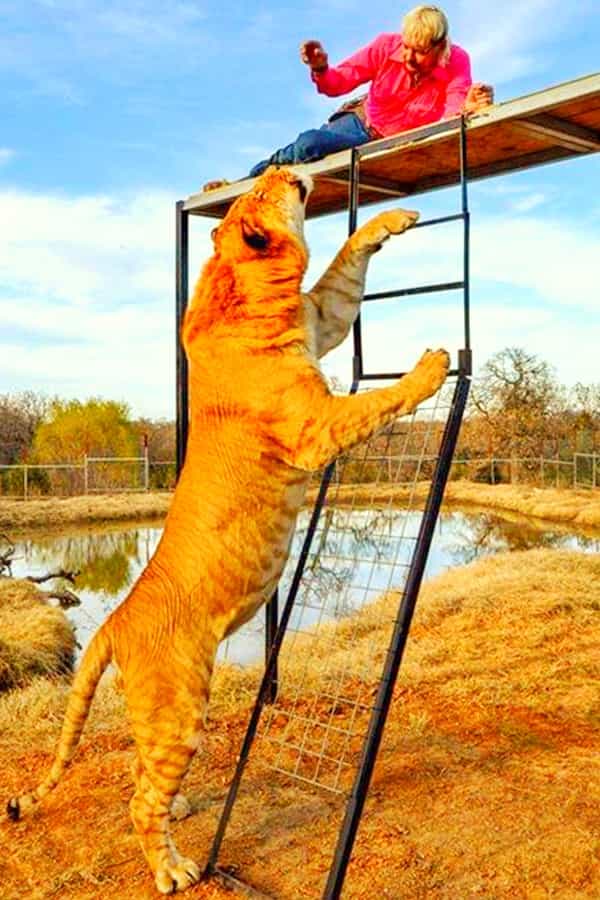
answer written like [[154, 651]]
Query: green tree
[[73, 429]]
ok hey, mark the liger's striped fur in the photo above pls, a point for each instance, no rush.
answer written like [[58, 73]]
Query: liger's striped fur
[[262, 417]]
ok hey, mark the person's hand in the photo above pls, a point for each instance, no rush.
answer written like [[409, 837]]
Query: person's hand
[[313, 54], [478, 97]]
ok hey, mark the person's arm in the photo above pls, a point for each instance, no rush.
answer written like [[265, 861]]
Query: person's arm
[[357, 69], [479, 96], [459, 83]]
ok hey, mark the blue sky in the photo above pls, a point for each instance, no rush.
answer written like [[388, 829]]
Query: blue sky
[[111, 111]]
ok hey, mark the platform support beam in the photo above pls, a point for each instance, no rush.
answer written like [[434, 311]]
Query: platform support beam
[[564, 134]]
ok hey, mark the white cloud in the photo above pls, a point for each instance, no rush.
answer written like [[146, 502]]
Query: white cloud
[[6, 155], [531, 201], [508, 40], [87, 300], [87, 249], [534, 284], [394, 344], [558, 260]]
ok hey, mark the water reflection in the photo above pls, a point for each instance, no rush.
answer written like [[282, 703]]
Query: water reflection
[[482, 534], [357, 555]]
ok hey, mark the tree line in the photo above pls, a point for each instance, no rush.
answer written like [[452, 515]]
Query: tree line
[[67, 434], [39, 430], [517, 409]]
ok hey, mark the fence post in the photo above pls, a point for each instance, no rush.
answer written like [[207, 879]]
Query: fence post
[[25, 482], [146, 469], [593, 470], [85, 474], [493, 471], [542, 471]]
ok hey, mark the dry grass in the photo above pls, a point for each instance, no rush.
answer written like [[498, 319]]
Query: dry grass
[[577, 508], [35, 638], [488, 783], [580, 509], [58, 512]]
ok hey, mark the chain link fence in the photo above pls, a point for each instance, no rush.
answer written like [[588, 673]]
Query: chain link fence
[[108, 475], [94, 475], [538, 472]]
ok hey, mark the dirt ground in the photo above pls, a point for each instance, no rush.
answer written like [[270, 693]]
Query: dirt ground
[[488, 783]]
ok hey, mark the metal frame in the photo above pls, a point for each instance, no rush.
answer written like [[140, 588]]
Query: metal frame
[[275, 635], [182, 268]]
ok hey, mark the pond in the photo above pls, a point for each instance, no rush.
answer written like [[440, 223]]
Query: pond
[[362, 553]]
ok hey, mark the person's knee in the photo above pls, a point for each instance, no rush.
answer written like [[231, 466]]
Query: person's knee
[[308, 145]]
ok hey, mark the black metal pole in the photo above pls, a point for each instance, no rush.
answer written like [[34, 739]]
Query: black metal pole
[[271, 621], [394, 656], [464, 174], [353, 199], [181, 300]]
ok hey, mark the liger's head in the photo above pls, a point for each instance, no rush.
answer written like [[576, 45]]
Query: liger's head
[[259, 259], [270, 216]]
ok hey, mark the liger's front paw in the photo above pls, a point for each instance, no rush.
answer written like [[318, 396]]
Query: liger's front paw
[[432, 370], [398, 220], [378, 229], [171, 878]]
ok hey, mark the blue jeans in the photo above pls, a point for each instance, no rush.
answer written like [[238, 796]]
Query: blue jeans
[[345, 131]]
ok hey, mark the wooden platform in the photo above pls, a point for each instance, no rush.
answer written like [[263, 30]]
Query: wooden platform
[[561, 122]]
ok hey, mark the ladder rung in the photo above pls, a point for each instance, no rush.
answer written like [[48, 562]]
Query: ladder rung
[[380, 376], [409, 292], [440, 220]]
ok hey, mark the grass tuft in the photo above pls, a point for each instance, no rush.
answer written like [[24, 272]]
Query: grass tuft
[[35, 638]]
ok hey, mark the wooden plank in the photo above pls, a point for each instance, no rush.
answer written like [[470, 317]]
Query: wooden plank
[[551, 125]]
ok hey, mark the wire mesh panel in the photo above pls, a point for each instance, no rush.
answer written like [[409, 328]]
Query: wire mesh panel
[[309, 744], [360, 555]]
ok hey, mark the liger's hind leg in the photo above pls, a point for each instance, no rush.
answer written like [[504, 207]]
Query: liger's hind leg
[[167, 738], [180, 808]]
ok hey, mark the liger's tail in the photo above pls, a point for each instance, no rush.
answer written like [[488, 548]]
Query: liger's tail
[[95, 661]]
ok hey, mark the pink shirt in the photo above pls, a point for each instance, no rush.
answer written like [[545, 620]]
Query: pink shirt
[[392, 104]]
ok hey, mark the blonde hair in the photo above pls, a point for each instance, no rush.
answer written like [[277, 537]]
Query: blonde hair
[[427, 25]]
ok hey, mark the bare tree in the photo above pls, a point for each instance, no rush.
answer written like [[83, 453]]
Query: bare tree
[[520, 400], [20, 415]]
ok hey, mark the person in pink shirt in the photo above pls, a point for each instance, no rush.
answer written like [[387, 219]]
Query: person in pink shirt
[[416, 78]]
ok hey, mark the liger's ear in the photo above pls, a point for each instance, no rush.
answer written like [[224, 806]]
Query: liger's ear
[[253, 235], [213, 235]]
